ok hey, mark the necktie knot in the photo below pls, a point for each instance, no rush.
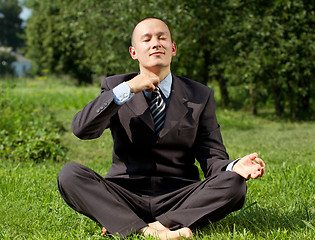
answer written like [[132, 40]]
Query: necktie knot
[[155, 93]]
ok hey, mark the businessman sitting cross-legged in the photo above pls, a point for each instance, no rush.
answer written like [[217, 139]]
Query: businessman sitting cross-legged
[[160, 124]]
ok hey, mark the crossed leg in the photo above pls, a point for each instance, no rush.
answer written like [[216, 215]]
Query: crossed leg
[[86, 192]]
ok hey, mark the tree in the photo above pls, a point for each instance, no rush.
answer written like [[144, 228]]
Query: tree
[[262, 48], [84, 37], [205, 42], [274, 53], [10, 24], [6, 60]]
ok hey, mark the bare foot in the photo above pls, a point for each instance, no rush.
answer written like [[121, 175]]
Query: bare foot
[[177, 234], [158, 226], [158, 231], [104, 231]]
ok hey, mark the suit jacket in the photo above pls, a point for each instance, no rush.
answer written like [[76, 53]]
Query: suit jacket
[[142, 160]]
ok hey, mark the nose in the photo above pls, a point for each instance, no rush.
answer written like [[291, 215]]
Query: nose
[[156, 43]]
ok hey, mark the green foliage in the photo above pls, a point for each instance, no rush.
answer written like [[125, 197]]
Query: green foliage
[[29, 130], [6, 60], [279, 206], [10, 23], [273, 53], [85, 37], [266, 48]]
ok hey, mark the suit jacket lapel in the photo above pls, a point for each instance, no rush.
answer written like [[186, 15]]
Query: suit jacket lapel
[[140, 108], [177, 108]]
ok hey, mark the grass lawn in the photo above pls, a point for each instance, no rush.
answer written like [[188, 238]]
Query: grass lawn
[[281, 205]]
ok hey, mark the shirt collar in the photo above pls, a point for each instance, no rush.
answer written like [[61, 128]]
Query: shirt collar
[[165, 86]]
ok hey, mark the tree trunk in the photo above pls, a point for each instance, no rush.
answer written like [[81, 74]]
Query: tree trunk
[[278, 100], [253, 103], [84, 78], [225, 101], [205, 69], [292, 102], [303, 99]]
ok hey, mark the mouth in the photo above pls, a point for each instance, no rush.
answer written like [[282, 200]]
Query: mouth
[[156, 53]]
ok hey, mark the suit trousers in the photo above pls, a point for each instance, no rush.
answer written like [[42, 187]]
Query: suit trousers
[[123, 211]]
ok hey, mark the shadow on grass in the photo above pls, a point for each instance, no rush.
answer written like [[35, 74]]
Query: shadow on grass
[[260, 220]]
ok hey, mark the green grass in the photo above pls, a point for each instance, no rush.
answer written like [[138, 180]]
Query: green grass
[[279, 206]]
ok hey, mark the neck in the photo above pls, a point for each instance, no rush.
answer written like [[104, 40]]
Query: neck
[[158, 71]]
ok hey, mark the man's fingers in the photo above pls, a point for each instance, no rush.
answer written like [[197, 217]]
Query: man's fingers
[[262, 164], [262, 171], [150, 89], [255, 175], [253, 156], [250, 157], [143, 82], [250, 166], [258, 171]]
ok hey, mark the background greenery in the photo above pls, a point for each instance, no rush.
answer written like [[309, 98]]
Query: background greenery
[[263, 49], [11, 28], [279, 206], [257, 55], [261, 53]]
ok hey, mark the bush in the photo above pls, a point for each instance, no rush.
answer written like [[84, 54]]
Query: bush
[[29, 131], [6, 60]]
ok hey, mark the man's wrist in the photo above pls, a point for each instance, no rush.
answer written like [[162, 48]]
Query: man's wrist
[[231, 165], [122, 93]]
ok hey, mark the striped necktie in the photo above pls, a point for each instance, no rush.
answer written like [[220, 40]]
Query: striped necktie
[[158, 109]]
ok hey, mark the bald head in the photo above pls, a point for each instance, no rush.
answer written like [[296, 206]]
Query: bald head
[[140, 22]]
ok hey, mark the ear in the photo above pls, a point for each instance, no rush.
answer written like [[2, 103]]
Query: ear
[[174, 49], [133, 53]]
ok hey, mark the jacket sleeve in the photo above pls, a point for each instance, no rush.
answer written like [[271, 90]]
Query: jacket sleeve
[[210, 150], [95, 117]]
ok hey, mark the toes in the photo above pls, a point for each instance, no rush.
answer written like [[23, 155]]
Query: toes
[[186, 232], [104, 231]]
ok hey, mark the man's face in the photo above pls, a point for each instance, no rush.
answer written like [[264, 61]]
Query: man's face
[[152, 45]]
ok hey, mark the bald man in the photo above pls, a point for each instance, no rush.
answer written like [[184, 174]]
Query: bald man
[[153, 186]]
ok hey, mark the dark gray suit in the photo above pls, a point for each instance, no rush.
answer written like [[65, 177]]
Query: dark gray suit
[[154, 178]]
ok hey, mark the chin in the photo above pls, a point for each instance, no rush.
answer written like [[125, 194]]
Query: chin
[[160, 64]]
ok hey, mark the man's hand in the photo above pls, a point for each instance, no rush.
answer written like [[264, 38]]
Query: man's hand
[[250, 166], [144, 81]]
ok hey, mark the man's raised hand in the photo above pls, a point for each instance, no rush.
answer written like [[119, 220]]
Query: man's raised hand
[[250, 166], [143, 81]]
